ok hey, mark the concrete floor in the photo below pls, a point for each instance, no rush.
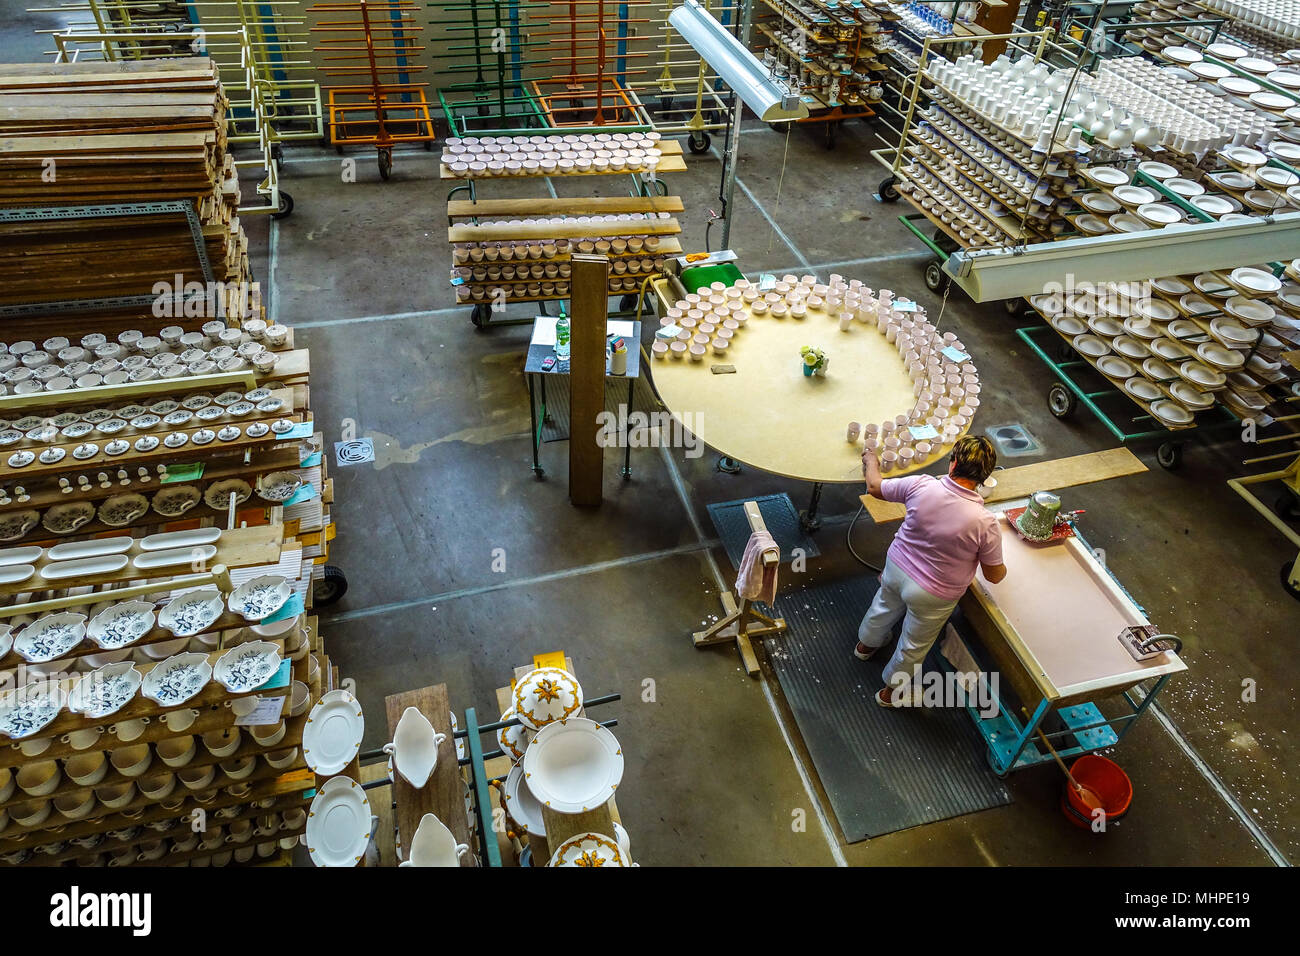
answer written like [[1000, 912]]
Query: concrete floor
[[715, 768]]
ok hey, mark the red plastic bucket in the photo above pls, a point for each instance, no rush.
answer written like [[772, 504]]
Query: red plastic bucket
[[1107, 780]]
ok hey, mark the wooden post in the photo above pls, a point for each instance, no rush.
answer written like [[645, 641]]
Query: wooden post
[[999, 20], [589, 303]]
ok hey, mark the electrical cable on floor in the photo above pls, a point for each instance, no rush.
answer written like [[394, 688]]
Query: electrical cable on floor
[[848, 542]]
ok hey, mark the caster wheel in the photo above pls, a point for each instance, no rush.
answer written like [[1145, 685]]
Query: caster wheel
[[699, 143], [809, 525], [385, 163], [828, 140], [1287, 586], [934, 275], [1061, 402], [480, 316], [1170, 455], [886, 190], [277, 153], [627, 303], [1287, 507], [1015, 307], [330, 587], [286, 206]]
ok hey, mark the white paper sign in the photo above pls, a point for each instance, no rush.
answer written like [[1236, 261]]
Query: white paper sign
[[267, 711]]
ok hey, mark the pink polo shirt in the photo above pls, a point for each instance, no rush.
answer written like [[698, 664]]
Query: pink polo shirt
[[946, 535]]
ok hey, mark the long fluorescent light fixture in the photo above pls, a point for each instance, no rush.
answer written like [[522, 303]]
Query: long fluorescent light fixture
[[995, 274], [739, 68]]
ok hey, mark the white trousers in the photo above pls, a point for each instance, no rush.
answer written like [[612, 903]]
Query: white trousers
[[926, 616]]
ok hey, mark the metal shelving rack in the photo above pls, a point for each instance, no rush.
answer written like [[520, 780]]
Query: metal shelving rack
[[113, 211]]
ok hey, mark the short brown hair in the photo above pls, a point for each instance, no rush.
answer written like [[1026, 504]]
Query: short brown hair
[[973, 458]]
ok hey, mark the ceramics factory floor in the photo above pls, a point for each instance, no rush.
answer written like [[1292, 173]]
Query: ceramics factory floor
[[715, 772]]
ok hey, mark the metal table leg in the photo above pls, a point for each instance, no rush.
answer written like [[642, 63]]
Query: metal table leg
[[808, 521], [627, 445], [535, 427]]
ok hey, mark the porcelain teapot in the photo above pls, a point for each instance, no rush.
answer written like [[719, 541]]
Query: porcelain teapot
[[433, 845], [414, 747]]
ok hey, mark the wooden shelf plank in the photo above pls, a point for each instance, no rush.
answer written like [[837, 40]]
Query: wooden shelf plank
[[577, 206], [496, 232]]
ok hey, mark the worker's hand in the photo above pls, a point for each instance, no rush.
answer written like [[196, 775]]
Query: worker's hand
[[868, 456]]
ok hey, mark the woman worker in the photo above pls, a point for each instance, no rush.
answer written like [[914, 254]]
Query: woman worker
[[946, 535]]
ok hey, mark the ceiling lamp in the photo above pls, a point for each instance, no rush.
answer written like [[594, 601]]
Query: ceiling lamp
[[740, 69]]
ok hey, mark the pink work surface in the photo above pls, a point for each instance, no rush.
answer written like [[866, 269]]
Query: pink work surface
[[1068, 613]]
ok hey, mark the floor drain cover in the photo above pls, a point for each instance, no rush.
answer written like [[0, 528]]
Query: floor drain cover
[[1013, 440], [358, 451]]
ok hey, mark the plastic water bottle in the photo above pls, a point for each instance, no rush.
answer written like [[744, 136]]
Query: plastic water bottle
[[562, 337]]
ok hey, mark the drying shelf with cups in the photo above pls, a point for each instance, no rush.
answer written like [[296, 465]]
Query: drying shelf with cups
[[517, 250]]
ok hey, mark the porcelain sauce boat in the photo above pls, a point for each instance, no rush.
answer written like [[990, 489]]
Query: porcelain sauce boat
[[414, 748], [433, 844]]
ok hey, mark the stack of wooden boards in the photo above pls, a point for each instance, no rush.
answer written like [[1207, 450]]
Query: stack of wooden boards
[[111, 133]]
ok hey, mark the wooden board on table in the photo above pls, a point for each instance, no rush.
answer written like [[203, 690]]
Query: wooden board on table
[[561, 826], [444, 794], [572, 229], [1024, 480]]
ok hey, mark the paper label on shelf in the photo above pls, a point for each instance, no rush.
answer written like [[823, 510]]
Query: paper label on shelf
[[268, 711], [182, 472], [306, 492], [292, 608], [300, 430], [904, 305], [956, 354], [311, 461], [457, 280], [923, 432], [281, 678], [766, 282], [553, 659]]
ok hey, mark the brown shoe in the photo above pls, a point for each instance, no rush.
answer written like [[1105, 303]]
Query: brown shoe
[[864, 653]]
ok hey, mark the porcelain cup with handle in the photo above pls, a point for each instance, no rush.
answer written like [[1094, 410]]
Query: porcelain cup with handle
[[82, 739], [34, 746], [181, 720], [128, 730]]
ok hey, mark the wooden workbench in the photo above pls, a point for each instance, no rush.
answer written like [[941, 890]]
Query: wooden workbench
[[769, 415]]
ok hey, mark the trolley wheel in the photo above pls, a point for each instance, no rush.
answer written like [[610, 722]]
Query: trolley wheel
[[1287, 586], [1170, 455], [699, 142], [480, 315], [1015, 307], [277, 153], [330, 587], [934, 275], [1287, 507], [628, 302], [1061, 402], [286, 206], [385, 163], [886, 190]]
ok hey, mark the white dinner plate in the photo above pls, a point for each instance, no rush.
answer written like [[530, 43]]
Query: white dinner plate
[[338, 823], [573, 765], [332, 735]]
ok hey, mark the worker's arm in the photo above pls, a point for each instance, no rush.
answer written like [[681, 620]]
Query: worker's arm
[[993, 573], [871, 471]]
